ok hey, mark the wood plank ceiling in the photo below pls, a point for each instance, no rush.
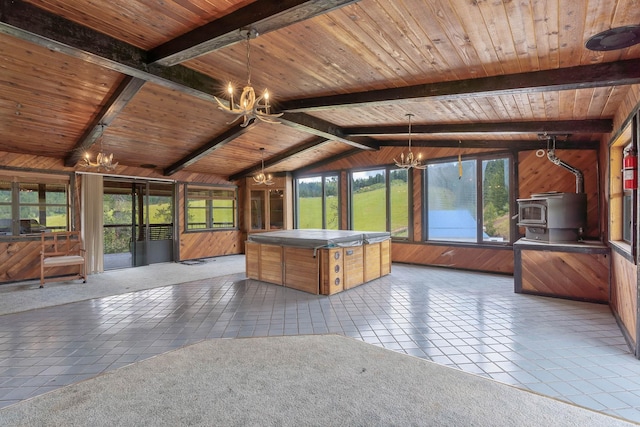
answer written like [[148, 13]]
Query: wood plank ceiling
[[345, 73]]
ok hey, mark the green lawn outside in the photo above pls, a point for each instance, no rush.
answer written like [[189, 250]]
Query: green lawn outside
[[369, 210]]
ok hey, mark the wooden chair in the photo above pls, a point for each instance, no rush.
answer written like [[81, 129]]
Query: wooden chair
[[59, 250]]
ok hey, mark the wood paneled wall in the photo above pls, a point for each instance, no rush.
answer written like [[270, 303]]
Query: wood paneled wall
[[467, 258], [575, 275], [19, 260], [628, 105], [210, 244], [624, 273], [624, 294]]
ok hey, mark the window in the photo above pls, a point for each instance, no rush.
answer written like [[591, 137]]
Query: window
[[496, 214], [369, 200], [310, 198], [380, 201], [211, 208], [622, 198], [331, 205], [468, 201], [317, 202], [399, 201], [32, 205]]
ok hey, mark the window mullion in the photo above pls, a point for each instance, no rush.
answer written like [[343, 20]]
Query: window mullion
[[209, 213], [15, 208], [323, 189], [479, 202], [635, 138]]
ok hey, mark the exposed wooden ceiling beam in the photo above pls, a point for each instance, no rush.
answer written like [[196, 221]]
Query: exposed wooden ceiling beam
[[125, 91], [497, 144], [318, 127], [262, 16], [557, 127], [580, 77], [294, 151], [327, 161], [27, 22], [217, 142]]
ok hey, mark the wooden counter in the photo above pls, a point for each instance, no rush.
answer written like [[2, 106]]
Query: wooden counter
[[318, 261], [578, 271]]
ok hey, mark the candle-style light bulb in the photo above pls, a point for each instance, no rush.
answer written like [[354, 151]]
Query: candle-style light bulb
[[266, 100], [230, 90]]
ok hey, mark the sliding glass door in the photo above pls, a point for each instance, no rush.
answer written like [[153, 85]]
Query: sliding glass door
[[138, 223]]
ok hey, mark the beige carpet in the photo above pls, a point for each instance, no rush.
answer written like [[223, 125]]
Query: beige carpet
[[325, 380], [23, 296]]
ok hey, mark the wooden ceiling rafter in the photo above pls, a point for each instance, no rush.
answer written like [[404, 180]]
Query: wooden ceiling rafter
[[550, 127], [27, 22], [262, 16], [125, 91], [561, 79], [217, 142], [322, 128], [327, 161], [279, 158], [497, 144]]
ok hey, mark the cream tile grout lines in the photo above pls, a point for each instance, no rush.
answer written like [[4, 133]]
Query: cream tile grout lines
[[568, 350]]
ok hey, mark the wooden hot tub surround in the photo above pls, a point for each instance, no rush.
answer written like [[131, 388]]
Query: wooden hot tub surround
[[321, 262]]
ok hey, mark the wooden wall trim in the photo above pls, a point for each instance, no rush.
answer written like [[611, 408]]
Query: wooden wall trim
[[490, 260], [624, 298]]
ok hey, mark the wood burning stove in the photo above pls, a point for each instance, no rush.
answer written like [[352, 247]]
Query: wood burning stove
[[553, 217]]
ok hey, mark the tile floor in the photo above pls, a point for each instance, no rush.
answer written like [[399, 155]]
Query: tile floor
[[474, 322]]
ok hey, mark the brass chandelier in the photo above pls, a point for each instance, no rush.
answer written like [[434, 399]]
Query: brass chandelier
[[248, 105], [262, 178], [410, 161], [103, 161]]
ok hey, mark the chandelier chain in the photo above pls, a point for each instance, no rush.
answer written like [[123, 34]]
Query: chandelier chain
[[410, 161], [409, 115], [248, 58]]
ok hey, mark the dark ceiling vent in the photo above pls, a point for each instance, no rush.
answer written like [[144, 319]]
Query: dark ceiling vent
[[615, 38]]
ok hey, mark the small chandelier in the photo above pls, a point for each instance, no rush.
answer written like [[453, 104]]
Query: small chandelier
[[248, 106], [409, 161], [103, 160], [261, 178]]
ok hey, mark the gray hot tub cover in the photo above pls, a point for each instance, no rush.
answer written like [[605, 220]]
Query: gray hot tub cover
[[319, 238]]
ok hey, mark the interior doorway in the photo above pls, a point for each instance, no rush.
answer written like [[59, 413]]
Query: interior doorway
[[138, 222]]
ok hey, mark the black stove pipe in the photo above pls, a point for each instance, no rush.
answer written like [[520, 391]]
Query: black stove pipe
[[551, 155]]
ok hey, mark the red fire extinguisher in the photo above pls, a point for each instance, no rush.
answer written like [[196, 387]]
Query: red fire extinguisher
[[630, 168]]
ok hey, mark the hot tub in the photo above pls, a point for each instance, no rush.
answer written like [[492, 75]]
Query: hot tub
[[318, 261]]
